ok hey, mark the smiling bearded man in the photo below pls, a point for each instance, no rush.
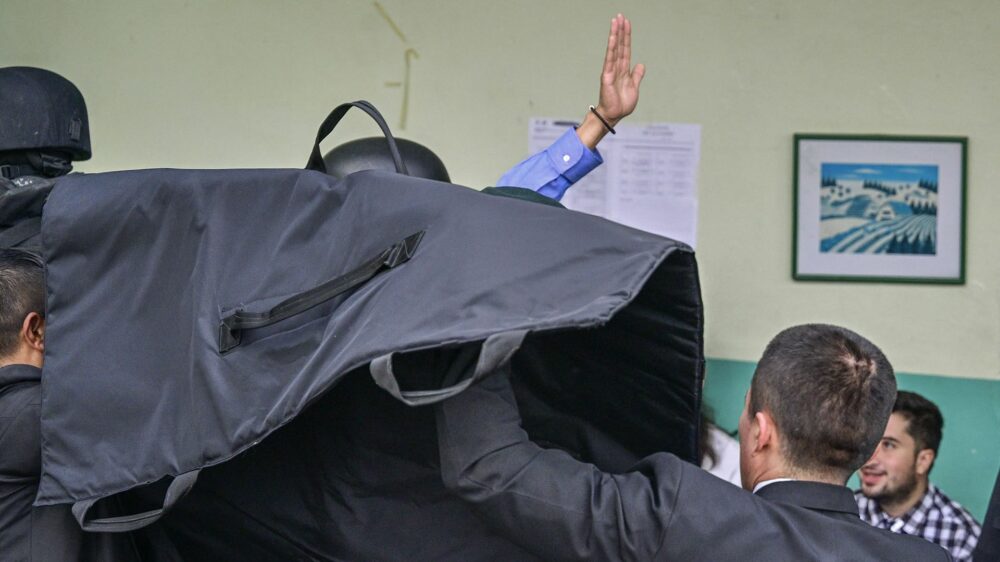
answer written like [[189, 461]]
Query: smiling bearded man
[[896, 493]]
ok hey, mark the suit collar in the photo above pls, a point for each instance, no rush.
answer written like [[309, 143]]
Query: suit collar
[[812, 495], [13, 374]]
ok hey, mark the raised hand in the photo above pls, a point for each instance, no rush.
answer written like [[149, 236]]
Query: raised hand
[[619, 84], [619, 81]]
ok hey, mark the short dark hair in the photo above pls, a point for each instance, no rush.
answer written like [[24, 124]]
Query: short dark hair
[[22, 291], [925, 419], [830, 392]]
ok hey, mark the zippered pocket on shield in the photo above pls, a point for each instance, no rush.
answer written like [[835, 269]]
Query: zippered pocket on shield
[[233, 325]]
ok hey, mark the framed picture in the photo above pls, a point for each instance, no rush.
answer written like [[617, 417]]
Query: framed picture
[[879, 208]]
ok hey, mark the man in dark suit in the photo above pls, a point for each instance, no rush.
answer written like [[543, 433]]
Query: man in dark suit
[[38, 534], [989, 542], [26, 533], [816, 409]]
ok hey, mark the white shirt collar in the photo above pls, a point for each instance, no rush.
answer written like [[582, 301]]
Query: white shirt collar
[[767, 482]]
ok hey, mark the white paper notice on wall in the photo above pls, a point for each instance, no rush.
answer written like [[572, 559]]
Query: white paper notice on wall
[[648, 180]]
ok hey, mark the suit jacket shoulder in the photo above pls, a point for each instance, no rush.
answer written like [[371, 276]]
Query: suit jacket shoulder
[[20, 426], [785, 521]]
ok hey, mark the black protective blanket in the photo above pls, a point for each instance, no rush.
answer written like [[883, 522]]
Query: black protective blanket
[[242, 322]]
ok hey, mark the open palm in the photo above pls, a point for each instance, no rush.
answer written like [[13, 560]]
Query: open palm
[[619, 81]]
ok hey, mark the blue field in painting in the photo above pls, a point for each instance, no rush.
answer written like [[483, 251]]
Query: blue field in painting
[[878, 209]]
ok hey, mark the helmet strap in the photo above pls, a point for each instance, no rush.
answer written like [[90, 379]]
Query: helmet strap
[[49, 165], [11, 171]]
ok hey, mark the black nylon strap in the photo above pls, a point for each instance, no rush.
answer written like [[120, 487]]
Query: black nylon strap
[[316, 158], [20, 232], [39, 164], [232, 326], [11, 171]]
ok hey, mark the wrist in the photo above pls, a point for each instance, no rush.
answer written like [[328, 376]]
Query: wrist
[[591, 131], [608, 116]]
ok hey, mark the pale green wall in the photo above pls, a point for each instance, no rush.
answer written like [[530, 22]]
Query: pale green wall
[[245, 84]]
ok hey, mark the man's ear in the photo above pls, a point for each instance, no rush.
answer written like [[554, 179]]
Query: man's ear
[[763, 431], [925, 459], [33, 331]]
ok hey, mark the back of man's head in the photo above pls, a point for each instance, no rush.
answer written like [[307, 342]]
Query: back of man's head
[[22, 291], [924, 417], [830, 392]]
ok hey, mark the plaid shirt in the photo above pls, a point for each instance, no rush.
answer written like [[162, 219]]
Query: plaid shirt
[[936, 518]]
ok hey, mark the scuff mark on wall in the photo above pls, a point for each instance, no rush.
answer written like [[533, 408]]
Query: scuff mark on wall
[[408, 55]]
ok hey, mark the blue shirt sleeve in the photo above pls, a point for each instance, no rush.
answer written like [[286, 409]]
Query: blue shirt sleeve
[[552, 171]]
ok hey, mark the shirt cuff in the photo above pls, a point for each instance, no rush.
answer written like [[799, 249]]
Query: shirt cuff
[[572, 160]]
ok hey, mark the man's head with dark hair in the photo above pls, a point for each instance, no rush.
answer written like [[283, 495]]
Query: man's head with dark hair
[[818, 404], [897, 475], [925, 419], [22, 307]]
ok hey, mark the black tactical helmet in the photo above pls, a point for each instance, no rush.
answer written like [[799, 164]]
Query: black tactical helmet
[[42, 111], [373, 154]]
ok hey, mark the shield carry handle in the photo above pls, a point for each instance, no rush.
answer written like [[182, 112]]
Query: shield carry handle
[[496, 351], [177, 489], [316, 158]]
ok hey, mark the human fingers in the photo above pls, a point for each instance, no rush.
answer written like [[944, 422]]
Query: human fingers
[[610, 54], [627, 47], [621, 60], [637, 73]]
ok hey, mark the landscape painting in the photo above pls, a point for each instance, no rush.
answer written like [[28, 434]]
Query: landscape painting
[[878, 208]]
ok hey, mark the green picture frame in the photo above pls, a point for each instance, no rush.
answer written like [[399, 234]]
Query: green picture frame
[[879, 208]]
